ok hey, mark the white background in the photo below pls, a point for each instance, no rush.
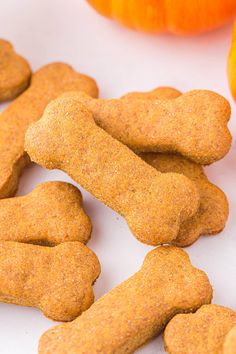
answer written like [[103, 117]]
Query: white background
[[120, 60]]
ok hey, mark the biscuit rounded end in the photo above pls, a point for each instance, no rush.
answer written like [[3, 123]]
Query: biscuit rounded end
[[15, 73]]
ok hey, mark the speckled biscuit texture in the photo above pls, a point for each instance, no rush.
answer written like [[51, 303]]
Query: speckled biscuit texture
[[51, 214], [47, 83], [57, 280], [194, 124], [201, 333], [229, 346], [153, 204], [136, 310], [15, 72], [213, 211], [163, 92]]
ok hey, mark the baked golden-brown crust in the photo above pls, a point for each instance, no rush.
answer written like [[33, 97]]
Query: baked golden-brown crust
[[229, 346], [57, 280], [153, 204], [193, 124], [200, 333], [162, 92], [47, 83], [136, 310], [51, 214], [15, 72], [214, 209]]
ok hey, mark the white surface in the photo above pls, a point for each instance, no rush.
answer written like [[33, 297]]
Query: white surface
[[121, 61]]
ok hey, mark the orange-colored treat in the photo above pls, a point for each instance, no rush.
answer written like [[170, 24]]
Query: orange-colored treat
[[48, 83], [15, 72], [201, 333], [154, 204], [229, 346], [57, 280], [193, 124], [136, 310], [160, 93], [213, 211], [49, 215]]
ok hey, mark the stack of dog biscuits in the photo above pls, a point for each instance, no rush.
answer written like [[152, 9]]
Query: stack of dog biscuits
[[143, 155]]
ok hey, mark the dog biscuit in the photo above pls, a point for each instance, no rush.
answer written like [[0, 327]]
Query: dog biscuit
[[201, 333], [48, 83], [136, 310], [213, 211], [163, 92], [153, 204], [51, 214], [57, 280], [194, 124], [15, 72], [229, 346]]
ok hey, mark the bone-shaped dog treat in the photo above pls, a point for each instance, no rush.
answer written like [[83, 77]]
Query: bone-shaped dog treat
[[160, 93], [49, 215], [229, 346], [213, 211], [57, 280], [136, 310], [48, 83], [153, 204], [194, 124], [15, 72], [201, 333]]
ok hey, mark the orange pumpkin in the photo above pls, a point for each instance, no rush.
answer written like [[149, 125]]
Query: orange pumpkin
[[232, 64], [176, 16]]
